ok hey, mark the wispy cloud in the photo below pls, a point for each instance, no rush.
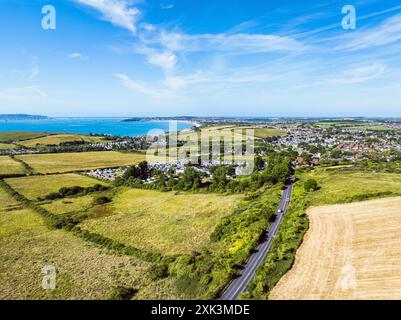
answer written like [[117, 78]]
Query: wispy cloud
[[388, 32], [140, 87], [360, 74], [77, 56], [120, 13], [20, 94], [167, 6], [35, 70]]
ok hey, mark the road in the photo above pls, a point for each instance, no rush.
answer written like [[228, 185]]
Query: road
[[242, 281]]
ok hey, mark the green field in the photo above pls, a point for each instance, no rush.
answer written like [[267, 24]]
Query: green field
[[80, 161], [83, 271], [344, 185], [56, 139], [33, 187], [76, 204], [166, 222], [8, 166], [20, 136], [7, 146]]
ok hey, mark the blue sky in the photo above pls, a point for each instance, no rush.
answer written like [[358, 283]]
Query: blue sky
[[210, 58]]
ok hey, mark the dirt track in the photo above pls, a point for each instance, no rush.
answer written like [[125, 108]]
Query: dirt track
[[351, 251]]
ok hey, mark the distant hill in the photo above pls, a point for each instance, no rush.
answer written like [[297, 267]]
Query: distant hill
[[21, 117]]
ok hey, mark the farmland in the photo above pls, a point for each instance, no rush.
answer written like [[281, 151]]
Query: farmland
[[163, 221], [20, 136], [364, 259], [56, 139], [9, 166], [339, 185], [33, 187], [69, 162]]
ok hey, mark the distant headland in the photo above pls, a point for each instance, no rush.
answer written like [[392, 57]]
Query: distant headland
[[21, 116]]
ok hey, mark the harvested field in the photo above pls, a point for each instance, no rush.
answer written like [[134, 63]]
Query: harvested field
[[351, 251]]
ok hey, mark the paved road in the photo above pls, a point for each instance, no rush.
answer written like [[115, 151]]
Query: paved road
[[240, 283]]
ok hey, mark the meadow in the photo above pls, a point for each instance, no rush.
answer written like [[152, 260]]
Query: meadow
[[80, 161], [83, 270], [20, 136], [344, 185], [9, 166], [7, 146], [57, 139], [33, 187], [166, 222]]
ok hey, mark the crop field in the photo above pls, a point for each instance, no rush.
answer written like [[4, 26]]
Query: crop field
[[344, 185], [166, 222], [10, 166], [33, 187], [68, 162], [56, 139], [351, 251], [20, 136]]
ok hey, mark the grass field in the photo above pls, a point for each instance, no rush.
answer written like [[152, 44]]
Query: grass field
[[9, 166], [163, 221], [83, 270], [33, 187], [62, 206], [68, 162], [351, 251], [56, 139], [343, 185], [7, 146], [20, 136]]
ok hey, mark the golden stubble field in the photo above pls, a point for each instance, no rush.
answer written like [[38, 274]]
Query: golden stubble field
[[351, 251]]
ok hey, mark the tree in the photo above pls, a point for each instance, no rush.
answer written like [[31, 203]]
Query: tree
[[311, 185]]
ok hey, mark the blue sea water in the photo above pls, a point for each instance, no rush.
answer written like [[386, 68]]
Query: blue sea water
[[113, 126]]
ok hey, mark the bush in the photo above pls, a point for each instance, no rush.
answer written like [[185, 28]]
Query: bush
[[101, 200]]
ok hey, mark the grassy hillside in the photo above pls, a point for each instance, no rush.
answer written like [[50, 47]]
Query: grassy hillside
[[166, 222], [20, 136], [33, 187], [9, 166], [68, 162], [56, 139]]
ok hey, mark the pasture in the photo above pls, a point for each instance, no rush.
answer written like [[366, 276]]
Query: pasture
[[9, 166], [80, 161], [343, 185], [83, 270], [350, 251], [20, 136], [57, 139], [167, 222], [33, 187]]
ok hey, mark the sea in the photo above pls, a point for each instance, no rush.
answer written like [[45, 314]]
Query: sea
[[110, 126]]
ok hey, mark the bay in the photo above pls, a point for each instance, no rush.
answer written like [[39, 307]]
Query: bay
[[111, 126]]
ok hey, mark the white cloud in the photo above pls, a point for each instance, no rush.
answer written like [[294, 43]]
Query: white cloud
[[77, 56], [360, 74], [120, 13]]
